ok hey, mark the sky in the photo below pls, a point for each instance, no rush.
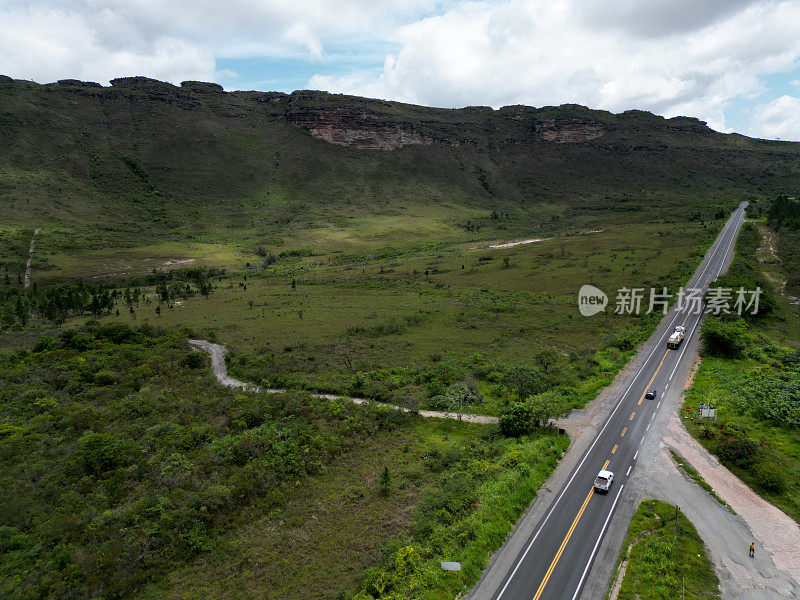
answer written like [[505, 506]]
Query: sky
[[732, 63]]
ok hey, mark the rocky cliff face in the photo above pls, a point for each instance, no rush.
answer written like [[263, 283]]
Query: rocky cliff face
[[363, 131], [569, 130]]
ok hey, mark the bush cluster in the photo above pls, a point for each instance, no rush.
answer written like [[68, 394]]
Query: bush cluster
[[117, 457]]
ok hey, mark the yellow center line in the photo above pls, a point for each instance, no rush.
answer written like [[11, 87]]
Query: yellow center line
[[566, 539], [649, 383], [563, 544]]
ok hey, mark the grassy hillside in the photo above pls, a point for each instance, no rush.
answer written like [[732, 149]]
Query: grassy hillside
[[193, 172]]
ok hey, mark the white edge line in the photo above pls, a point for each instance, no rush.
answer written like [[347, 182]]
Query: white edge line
[[686, 345], [680, 357], [596, 544], [596, 439], [577, 469]]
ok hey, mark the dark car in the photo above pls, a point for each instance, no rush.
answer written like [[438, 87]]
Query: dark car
[[651, 394]]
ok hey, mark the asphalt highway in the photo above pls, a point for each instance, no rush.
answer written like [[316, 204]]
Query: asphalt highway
[[556, 559]]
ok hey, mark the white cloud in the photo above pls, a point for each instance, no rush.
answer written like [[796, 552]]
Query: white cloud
[[779, 118], [98, 40], [539, 52]]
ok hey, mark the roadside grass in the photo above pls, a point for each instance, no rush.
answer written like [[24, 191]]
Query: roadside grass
[[718, 382], [666, 559], [698, 479], [465, 517], [751, 436]]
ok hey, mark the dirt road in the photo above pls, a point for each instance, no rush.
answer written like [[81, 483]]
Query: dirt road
[[217, 352], [30, 258]]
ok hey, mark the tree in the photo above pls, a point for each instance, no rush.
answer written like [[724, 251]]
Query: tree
[[525, 381], [516, 420], [546, 358], [21, 310], [385, 482], [163, 291], [552, 404]]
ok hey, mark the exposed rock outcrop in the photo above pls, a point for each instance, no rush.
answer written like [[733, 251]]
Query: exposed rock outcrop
[[569, 130], [363, 131]]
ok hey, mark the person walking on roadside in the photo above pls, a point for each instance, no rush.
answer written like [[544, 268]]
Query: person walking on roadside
[[752, 550]]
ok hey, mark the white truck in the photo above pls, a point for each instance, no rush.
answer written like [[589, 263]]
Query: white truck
[[677, 337]]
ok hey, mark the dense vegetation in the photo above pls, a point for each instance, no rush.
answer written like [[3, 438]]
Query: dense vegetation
[[466, 515], [665, 558], [121, 460], [751, 371], [119, 456]]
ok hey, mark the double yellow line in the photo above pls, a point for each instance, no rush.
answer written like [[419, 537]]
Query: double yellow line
[[564, 542], [577, 518]]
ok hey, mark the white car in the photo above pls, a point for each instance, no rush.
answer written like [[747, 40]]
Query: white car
[[603, 481]]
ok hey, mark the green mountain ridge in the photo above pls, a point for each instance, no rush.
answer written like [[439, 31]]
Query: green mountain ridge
[[146, 160]]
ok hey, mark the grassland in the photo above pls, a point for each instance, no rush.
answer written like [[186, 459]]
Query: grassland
[[374, 315], [664, 557], [332, 269]]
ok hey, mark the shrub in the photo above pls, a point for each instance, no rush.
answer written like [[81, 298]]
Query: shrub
[[100, 452], [45, 343], [115, 332], [741, 451], [193, 360], [725, 338], [770, 477], [517, 419]]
